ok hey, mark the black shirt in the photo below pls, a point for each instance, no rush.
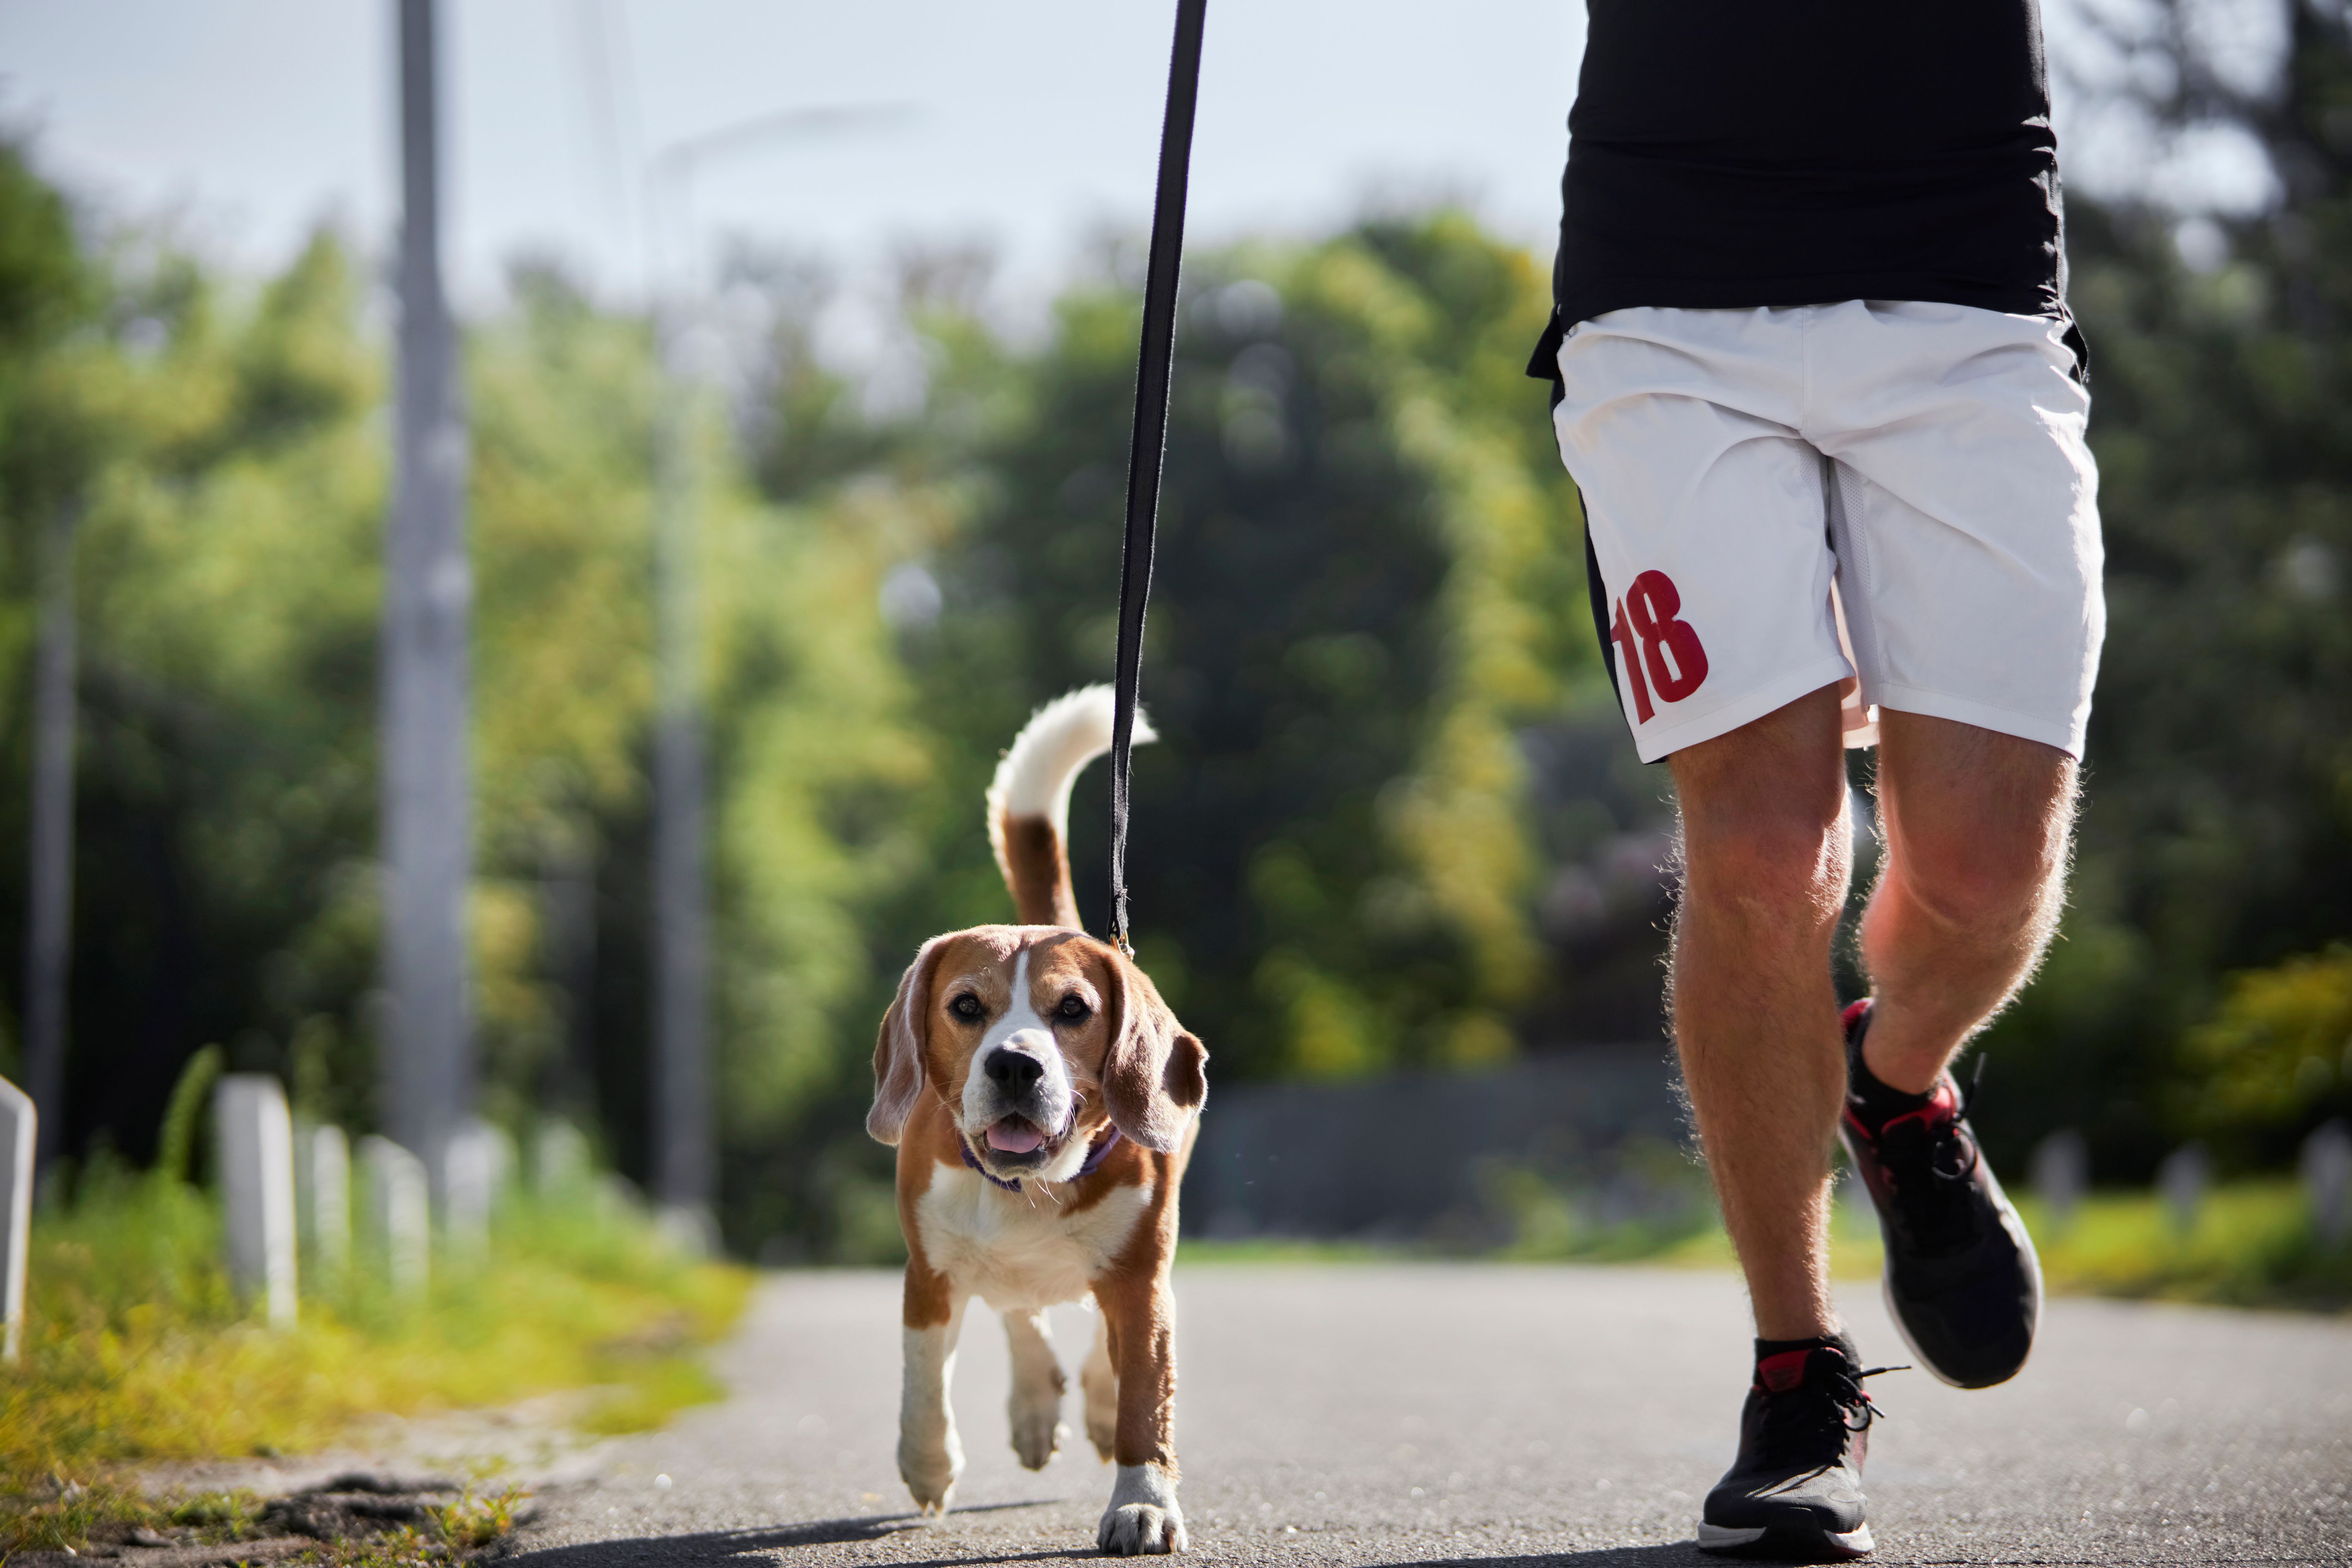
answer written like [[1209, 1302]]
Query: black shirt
[[1729, 153]]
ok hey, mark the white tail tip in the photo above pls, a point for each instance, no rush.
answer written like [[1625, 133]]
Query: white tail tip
[[1045, 759]]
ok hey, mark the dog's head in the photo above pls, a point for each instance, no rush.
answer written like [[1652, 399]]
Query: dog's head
[[1035, 1037]]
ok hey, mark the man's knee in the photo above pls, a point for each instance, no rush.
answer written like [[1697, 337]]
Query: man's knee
[[1979, 824], [1978, 876], [1789, 865], [1763, 818]]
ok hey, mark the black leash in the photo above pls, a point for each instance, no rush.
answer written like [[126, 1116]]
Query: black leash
[[1148, 451]]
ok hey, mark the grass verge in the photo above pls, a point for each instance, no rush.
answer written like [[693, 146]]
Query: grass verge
[[2253, 1245], [136, 1349]]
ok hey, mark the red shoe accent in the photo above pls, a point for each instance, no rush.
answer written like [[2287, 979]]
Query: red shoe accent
[[1943, 1105], [1778, 1374]]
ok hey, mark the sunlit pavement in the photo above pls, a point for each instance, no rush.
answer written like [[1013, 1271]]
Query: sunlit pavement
[[1400, 1413]]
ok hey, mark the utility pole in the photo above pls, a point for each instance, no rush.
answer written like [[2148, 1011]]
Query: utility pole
[[427, 1059], [684, 1170], [48, 915]]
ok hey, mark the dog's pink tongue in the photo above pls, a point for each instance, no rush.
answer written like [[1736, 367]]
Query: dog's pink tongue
[[1013, 1136]]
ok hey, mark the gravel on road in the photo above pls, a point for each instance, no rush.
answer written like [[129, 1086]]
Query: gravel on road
[[1397, 1414]]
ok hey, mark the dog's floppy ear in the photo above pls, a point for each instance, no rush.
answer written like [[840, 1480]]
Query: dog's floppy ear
[[1152, 1076], [899, 1050]]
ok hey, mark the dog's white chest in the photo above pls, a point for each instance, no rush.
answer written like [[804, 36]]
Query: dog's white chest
[[1022, 1250]]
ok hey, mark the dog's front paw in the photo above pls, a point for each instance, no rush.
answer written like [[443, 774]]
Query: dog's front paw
[[931, 1472], [1143, 1516], [1037, 1437], [1138, 1528], [1035, 1407]]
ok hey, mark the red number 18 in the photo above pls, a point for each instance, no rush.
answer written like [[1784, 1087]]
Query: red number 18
[[1647, 632]]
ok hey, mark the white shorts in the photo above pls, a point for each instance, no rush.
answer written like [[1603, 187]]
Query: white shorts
[[1781, 500]]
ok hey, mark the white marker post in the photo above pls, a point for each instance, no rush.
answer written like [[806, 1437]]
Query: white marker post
[[322, 1194], [256, 1161], [478, 1161], [2327, 1178], [19, 1123], [2183, 1180], [559, 1162], [400, 1213], [2062, 1174]]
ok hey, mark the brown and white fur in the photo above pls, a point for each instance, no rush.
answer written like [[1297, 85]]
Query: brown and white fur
[[1026, 1045]]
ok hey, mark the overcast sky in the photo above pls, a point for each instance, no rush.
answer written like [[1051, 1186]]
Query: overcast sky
[[1033, 122]]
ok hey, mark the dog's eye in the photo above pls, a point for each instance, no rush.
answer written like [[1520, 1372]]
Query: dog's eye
[[1073, 1009], [967, 1007]]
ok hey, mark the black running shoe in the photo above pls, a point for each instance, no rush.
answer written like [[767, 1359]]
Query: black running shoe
[[1962, 1281], [1794, 1494]]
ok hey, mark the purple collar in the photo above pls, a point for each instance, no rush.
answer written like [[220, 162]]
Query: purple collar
[[1095, 1156]]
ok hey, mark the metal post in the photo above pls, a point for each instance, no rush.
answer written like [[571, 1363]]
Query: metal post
[[685, 1175], [427, 1067], [48, 923], [683, 1169]]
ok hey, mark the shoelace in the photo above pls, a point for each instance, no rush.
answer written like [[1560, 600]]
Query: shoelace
[[1840, 1387], [1850, 1395]]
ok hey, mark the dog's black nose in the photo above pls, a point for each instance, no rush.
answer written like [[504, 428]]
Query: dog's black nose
[[1015, 1071]]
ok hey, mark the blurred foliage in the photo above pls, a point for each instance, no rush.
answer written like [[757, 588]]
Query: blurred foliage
[[2277, 1061], [42, 283], [136, 1347], [2253, 1245]]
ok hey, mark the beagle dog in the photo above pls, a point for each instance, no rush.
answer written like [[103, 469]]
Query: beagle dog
[[1044, 1101]]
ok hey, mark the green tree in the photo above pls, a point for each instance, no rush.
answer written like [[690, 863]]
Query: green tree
[[226, 444]]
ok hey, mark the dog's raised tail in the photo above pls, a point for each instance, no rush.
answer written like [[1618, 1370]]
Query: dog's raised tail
[[1029, 802]]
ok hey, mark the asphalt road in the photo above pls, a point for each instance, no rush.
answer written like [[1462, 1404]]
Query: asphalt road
[[1404, 1414]]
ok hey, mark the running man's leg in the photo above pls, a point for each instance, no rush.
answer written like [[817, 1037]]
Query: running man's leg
[[1978, 826], [1965, 515], [1766, 855], [1707, 510]]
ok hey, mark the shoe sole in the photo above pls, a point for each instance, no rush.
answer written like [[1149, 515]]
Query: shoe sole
[[1887, 1287], [1786, 1543]]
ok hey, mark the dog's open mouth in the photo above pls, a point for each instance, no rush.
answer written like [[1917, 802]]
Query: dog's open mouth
[[1014, 1135]]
